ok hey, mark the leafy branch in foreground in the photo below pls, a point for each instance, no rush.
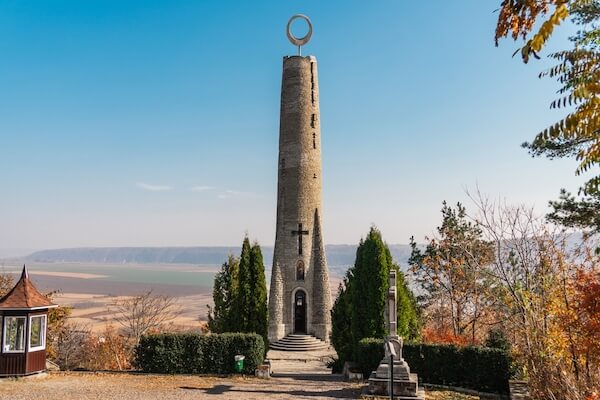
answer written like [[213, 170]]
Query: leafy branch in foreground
[[577, 70]]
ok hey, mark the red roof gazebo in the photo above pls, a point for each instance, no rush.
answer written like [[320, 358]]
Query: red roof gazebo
[[24, 320]]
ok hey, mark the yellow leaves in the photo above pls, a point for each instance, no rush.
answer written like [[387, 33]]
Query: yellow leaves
[[535, 44], [579, 72]]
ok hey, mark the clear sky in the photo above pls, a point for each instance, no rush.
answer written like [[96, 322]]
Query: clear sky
[[151, 123]]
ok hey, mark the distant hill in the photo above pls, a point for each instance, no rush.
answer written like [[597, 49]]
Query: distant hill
[[338, 255]]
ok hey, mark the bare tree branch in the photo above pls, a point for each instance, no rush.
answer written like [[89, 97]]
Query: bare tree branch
[[145, 312]]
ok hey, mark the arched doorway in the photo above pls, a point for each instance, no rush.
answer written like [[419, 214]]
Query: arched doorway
[[300, 312]]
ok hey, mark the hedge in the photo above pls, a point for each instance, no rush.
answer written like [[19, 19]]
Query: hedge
[[478, 368], [173, 353]]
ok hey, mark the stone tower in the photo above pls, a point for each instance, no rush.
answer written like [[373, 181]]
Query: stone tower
[[300, 297]]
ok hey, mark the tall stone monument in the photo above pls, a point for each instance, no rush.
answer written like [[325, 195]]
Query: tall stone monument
[[394, 374], [299, 297]]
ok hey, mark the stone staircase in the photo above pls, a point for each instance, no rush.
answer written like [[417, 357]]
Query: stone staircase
[[297, 342]]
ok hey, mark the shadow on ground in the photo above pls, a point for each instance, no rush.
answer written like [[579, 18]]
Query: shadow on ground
[[344, 393], [309, 377], [283, 384]]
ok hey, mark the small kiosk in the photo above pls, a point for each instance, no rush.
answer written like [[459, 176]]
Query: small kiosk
[[24, 320]]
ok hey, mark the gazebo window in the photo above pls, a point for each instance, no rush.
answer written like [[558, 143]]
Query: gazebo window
[[14, 334], [37, 332]]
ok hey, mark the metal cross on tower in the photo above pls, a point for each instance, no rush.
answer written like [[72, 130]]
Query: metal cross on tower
[[300, 233]]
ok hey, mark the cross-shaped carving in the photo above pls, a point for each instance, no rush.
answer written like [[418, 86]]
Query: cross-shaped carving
[[300, 233]]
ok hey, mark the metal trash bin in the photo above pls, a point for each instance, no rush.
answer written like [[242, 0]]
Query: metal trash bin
[[239, 363]]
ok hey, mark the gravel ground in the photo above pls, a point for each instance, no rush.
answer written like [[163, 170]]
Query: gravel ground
[[100, 386], [84, 386]]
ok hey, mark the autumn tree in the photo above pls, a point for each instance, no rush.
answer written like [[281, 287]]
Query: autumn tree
[[575, 327], [108, 350], [451, 273], [71, 346], [143, 313], [586, 324], [7, 282], [58, 318], [533, 268]]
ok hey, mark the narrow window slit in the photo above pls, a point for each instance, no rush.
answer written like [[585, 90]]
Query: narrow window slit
[[300, 271], [312, 83]]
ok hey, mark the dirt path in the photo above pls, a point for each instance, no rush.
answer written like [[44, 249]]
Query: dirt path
[[286, 363], [90, 386]]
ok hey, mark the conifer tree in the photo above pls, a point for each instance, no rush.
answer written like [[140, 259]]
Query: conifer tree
[[341, 313], [222, 318], [407, 310], [359, 311], [240, 294], [369, 287], [243, 302], [257, 309]]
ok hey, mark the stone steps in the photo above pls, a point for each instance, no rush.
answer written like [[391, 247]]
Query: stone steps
[[296, 342]]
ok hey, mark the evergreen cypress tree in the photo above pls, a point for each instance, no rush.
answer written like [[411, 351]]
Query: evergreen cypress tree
[[258, 314], [240, 294], [407, 311], [341, 330], [221, 318], [243, 302], [369, 287], [359, 311]]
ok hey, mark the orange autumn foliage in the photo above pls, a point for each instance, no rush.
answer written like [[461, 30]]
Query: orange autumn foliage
[[517, 17], [108, 351], [581, 319], [587, 305], [444, 336], [574, 329]]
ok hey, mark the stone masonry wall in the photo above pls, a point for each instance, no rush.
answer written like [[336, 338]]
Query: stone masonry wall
[[298, 202]]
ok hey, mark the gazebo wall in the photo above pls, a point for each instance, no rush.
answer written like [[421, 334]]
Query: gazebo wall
[[14, 364]]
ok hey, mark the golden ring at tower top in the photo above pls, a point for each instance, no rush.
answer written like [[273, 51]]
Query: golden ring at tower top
[[303, 40]]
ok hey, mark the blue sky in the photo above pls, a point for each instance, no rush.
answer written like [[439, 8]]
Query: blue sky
[[131, 123]]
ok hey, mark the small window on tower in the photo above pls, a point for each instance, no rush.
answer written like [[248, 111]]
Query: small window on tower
[[313, 120], [314, 140], [300, 271]]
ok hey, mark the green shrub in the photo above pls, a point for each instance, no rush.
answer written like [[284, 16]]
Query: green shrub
[[370, 353], [477, 368], [198, 354], [496, 338]]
